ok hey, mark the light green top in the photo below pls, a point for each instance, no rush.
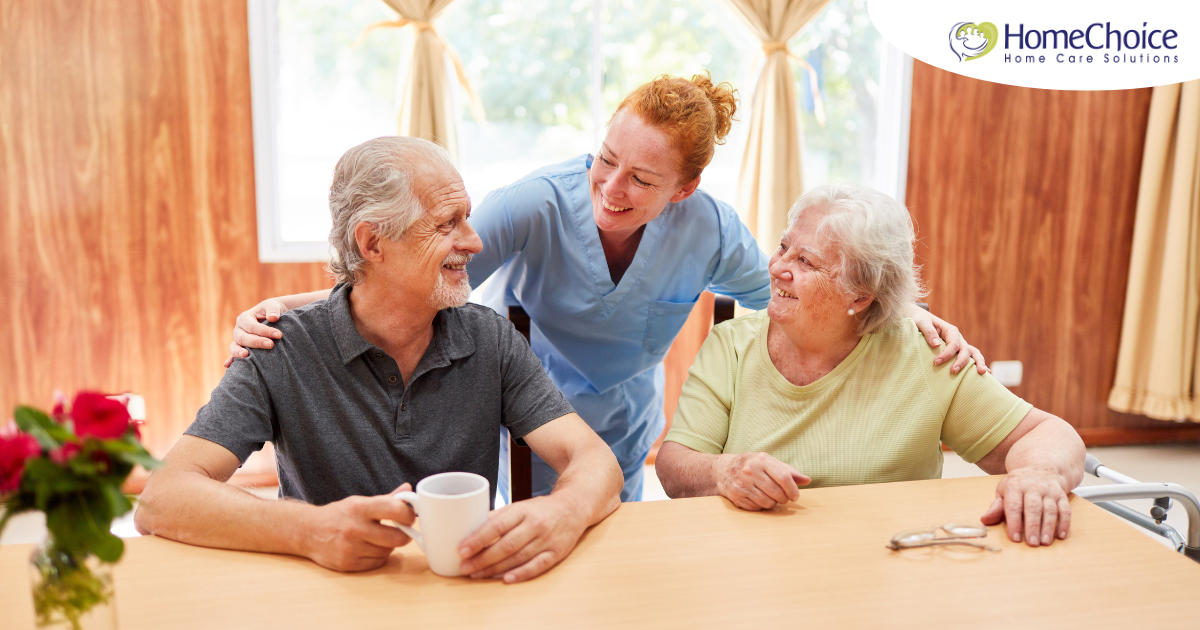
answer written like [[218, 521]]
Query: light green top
[[879, 416]]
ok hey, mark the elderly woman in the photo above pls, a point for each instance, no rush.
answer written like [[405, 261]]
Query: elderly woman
[[833, 385], [608, 254]]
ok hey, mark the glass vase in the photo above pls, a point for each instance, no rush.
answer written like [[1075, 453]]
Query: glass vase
[[71, 592]]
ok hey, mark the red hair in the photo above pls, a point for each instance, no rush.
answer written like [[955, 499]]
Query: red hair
[[695, 114]]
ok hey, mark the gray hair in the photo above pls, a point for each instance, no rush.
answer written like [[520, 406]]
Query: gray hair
[[373, 182], [874, 236]]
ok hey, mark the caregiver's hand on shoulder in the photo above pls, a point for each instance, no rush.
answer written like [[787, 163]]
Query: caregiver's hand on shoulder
[[522, 540], [249, 332], [757, 481], [1033, 502], [937, 330]]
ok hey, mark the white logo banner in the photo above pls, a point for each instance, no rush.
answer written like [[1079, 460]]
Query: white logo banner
[[1051, 44]]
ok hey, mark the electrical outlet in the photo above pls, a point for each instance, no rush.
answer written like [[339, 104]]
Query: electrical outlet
[[1009, 373]]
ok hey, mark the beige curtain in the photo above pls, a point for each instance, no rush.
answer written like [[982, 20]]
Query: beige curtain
[[427, 105], [1156, 368], [771, 177]]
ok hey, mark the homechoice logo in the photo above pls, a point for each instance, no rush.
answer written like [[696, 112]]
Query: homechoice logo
[[969, 40], [1049, 44], [1078, 45]]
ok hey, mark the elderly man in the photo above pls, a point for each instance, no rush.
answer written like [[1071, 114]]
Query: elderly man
[[391, 379]]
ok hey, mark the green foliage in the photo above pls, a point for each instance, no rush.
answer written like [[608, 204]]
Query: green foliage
[[79, 523], [48, 433], [81, 492], [65, 588], [643, 40], [529, 61], [845, 49], [76, 481]]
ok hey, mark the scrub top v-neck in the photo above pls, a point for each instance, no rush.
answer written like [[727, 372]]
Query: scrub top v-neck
[[603, 343]]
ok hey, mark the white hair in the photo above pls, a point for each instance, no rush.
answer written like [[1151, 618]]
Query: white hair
[[373, 182], [873, 236]]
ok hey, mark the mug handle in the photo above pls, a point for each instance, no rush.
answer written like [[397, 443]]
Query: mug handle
[[410, 498]]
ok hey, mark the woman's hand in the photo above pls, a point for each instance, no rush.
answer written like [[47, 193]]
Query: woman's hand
[[249, 333], [937, 329], [757, 481], [1033, 502]]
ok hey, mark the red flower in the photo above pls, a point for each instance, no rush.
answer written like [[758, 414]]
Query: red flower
[[61, 454], [14, 450], [99, 416]]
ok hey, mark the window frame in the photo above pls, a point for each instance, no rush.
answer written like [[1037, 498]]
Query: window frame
[[892, 131]]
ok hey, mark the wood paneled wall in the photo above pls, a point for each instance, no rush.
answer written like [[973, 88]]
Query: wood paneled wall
[[128, 233], [127, 215], [1024, 201]]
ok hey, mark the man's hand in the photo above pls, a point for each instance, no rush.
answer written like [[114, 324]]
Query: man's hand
[[249, 332], [1033, 502], [523, 540], [936, 330], [757, 481], [347, 535]]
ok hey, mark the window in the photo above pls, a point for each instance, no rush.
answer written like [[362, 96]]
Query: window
[[548, 75], [854, 109]]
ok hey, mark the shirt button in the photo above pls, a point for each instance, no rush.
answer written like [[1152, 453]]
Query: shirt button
[[401, 406], [392, 378], [377, 354]]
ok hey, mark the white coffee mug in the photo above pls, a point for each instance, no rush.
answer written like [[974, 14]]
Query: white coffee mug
[[451, 506]]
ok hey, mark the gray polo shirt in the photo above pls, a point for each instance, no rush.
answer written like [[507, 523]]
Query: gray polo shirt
[[343, 421]]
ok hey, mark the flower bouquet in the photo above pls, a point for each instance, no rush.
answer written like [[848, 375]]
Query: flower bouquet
[[70, 464]]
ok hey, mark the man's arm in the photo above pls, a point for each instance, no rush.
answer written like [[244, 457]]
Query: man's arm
[[751, 481], [527, 538], [188, 500], [1042, 460], [248, 330]]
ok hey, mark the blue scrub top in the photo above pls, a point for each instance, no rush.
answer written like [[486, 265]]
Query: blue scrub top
[[603, 344]]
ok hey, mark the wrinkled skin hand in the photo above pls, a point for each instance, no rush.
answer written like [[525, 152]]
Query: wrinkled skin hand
[[523, 540], [936, 330], [347, 535], [249, 332], [1033, 503], [757, 481]]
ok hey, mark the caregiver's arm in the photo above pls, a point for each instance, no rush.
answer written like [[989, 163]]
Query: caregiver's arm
[[936, 330], [1042, 460], [752, 481]]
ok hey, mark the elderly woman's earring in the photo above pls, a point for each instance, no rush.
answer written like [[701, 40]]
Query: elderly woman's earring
[[850, 312]]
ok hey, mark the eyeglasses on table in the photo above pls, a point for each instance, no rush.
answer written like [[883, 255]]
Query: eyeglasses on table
[[948, 534]]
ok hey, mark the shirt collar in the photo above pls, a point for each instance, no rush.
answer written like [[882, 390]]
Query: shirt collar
[[350, 344], [450, 342], [451, 336]]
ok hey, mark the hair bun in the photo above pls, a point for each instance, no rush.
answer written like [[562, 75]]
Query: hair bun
[[724, 101]]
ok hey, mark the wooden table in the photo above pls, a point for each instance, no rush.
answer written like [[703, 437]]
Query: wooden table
[[696, 563]]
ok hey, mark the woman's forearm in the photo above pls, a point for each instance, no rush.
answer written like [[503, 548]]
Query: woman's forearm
[[684, 472], [1052, 445]]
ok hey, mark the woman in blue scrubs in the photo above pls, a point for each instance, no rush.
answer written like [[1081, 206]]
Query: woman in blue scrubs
[[608, 254]]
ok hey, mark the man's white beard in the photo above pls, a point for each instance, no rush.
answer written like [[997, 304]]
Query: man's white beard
[[448, 294]]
